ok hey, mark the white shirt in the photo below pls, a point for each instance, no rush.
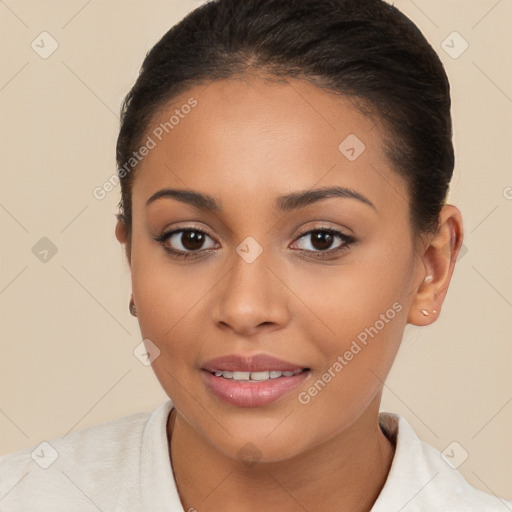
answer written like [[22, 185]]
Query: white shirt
[[123, 466]]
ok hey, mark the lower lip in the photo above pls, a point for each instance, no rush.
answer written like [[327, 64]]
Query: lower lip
[[253, 394]]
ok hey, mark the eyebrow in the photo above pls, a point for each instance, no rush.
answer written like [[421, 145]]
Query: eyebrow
[[305, 198], [201, 201], [285, 203]]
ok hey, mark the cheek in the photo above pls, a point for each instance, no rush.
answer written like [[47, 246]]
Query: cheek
[[356, 356], [166, 299], [360, 315], [362, 328], [165, 294], [354, 295]]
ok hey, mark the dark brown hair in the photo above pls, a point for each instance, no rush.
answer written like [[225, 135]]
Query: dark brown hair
[[365, 49]]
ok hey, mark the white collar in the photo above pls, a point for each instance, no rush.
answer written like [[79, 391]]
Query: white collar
[[421, 480]]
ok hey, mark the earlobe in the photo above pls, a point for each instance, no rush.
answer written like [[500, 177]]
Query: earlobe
[[438, 262], [121, 233], [426, 304]]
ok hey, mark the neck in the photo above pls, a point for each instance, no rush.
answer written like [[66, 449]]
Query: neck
[[346, 472]]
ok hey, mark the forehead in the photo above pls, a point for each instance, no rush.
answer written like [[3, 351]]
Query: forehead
[[251, 139]]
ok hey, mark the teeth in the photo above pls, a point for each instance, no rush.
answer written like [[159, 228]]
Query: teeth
[[255, 376], [241, 375], [259, 375]]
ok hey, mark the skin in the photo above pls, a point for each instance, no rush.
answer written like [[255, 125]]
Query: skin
[[247, 142]]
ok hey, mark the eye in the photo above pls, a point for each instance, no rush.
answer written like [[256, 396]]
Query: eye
[[185, 242], [321, 241], [190, 242]]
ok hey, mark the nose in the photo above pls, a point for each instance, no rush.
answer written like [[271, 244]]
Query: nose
[[251, 298]]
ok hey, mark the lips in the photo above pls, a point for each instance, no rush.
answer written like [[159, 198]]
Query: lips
[[252, 381]]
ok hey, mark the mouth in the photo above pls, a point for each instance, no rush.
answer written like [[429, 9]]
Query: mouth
[[252, 381]]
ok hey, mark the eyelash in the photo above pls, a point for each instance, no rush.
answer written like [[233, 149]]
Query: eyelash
[[348, 240]]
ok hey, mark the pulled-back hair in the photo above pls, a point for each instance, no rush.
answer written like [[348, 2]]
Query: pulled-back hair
[[365, 49]]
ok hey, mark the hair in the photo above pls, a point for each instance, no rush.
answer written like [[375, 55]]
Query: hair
[[366, 50]]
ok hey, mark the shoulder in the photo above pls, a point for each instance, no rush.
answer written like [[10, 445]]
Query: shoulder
[[421, 478], [98, 464]]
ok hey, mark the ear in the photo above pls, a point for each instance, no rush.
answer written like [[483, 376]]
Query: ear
[[123, 236], [438, 258]]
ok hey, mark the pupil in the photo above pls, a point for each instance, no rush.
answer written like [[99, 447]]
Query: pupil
[[322, 240], [192, 240]]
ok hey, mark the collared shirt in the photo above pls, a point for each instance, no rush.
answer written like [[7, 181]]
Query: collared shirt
[[123, 466]]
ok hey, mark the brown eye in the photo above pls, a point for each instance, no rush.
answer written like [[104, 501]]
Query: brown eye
[[186, 242], [321, 241]]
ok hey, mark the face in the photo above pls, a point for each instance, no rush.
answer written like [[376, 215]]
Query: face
[[261, 274]]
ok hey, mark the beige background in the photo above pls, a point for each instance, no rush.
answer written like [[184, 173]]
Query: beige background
[[67, 338]]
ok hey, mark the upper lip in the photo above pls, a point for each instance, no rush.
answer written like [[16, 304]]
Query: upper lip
[[255, 363]]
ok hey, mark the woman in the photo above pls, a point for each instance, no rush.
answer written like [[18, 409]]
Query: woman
[[284, 169]]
